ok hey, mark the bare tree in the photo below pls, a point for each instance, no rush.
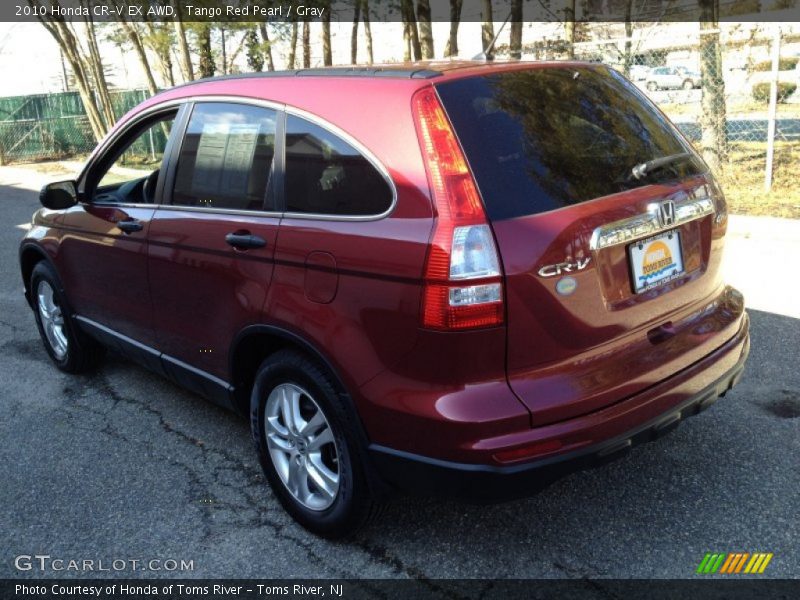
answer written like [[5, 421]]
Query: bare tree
[[65, 39], [410, 33], [158, 38], [354, 33], [306, 45], [425, 30], [262, 27], [96, 67], [180, 33], [327, 57], [292, 46], [487, 28], [515, 41], [367, 29], [714, 141], [451, 49], [569, 28]]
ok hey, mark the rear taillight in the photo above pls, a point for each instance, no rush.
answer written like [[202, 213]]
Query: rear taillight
[[463, 284]]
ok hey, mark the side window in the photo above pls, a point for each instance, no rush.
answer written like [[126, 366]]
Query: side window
[[326, 175], [131, 178], [226, 157]]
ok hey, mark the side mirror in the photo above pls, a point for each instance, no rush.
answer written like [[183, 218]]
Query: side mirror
[[57, 196]]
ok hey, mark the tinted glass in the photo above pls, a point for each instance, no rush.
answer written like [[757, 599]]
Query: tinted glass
[[226, 157], [543, 139], [326, 175]]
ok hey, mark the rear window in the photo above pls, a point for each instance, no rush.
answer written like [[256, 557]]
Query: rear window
[[547, 138]]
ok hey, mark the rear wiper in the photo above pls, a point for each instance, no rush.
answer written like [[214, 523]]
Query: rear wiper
[[642, 169]]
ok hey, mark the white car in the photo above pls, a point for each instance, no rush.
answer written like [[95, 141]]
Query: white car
[[672, 78], [638, 72]]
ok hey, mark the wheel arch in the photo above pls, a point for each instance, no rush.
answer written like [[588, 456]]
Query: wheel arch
[[253, 344], [30, 255]]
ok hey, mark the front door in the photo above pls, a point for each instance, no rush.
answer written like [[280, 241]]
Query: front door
[[103, 254]]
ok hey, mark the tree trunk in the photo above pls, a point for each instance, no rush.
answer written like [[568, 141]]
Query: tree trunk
[[515, 41], [97, 70], [569, 28], [367, 29], [327, 57], [425, 30], [354, 33], [224, 49], [180, 33], [267, 45], [714, 141], [155, 39], [66, 41], [626, 59], [487, 28], [410, 29], [292, 47], [451, 49], [136, 41], [306, 45]]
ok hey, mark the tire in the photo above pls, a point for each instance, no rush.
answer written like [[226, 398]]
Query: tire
[[289, 388], [70, 349], [688, 84], [652, 86]]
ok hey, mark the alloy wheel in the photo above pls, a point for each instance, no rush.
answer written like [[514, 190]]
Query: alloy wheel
[[52, 319], [302, 446]]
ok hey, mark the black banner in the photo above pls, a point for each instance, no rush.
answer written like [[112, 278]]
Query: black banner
[[452, 589], [342, 10]]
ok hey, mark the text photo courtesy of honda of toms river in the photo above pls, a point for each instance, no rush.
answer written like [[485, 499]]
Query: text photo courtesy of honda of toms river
[[463, 278]]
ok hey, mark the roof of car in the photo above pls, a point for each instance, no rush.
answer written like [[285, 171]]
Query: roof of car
[[422, 70]]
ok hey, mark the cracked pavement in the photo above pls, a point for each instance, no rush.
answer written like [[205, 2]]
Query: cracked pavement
[[122, 464]]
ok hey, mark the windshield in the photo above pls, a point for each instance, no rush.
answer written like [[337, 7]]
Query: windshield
[[551, 137]]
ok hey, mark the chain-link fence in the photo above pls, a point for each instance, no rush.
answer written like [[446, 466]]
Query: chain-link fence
[[52, 126]]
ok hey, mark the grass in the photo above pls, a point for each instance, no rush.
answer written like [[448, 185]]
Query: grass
[[743, 180]]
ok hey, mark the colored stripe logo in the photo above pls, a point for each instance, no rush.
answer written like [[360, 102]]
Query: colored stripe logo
[[734, 563]]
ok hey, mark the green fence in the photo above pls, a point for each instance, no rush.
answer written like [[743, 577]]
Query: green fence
[[52, 126]]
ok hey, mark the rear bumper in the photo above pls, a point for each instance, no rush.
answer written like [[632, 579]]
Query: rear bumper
[[590, 440]]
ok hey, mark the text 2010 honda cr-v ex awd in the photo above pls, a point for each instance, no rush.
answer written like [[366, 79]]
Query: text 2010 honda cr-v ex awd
[[464, 278]]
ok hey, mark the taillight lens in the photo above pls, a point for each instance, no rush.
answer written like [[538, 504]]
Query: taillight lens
[[463, 282]]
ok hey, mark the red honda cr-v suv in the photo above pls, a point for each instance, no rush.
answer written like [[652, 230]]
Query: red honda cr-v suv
[[462, 278]]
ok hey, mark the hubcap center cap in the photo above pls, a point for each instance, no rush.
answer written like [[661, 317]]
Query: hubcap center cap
[[301, 445]]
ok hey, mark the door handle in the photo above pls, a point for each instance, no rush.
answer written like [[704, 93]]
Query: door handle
[[130, 225], [244, 240]]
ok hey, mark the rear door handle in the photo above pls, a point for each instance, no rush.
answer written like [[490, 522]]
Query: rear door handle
[[130, 225], [244, 240]]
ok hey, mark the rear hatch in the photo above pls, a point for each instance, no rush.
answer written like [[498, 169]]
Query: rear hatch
[[609, 228]]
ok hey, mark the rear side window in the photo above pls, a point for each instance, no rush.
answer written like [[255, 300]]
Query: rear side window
[[325, 175], [547, 138], [226, 157]]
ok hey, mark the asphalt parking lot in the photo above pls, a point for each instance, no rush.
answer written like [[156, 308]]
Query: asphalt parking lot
[[124, 465]]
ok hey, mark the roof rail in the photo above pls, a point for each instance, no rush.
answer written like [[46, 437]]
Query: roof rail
[[388, 72]]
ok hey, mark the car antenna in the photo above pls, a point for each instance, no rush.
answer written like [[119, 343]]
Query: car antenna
[[484, 55]]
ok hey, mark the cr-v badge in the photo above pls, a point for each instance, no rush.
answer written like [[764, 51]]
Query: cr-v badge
[[564, 267]]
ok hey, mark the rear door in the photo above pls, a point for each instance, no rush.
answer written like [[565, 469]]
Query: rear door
[[607, 271], [212, 242]]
